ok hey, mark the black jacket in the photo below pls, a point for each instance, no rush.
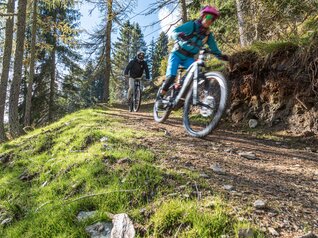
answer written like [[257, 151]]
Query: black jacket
[[135, 68]]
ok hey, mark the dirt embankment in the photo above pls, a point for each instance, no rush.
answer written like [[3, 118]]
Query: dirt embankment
[[279, 88]]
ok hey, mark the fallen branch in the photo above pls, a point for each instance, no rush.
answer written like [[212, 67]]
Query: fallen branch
[[301, 102], [98, 194], [42, 205], [8, 14], [83, 197], [176, 235], [198, 193]]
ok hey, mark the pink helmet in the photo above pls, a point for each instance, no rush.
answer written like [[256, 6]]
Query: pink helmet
[[210, 10]]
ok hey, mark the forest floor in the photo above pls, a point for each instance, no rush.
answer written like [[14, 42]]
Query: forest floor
[[283, 173]]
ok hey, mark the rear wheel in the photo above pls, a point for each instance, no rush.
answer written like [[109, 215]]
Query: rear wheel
[[201, 118], [162, 110]]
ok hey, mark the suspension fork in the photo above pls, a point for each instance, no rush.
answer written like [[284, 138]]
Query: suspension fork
[[195, 86]]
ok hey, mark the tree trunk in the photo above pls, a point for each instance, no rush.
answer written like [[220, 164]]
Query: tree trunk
[[105, 96], [27, 115], [52, 83], [6, 66], [183, 10], [15, 129], [241, 23]]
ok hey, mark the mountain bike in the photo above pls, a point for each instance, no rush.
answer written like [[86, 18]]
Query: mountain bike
[[135, 99], [203, 96]]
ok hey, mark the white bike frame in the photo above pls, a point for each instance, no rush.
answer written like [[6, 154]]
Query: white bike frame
[[192, 74]]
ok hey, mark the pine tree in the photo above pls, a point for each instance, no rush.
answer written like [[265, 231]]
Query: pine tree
[[151, 56], [137, 43], [90, 90], [58, 41], [122, 54], [161, 51]]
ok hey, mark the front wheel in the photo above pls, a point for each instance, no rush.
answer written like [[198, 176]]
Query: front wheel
[[202, 116], [131, 103], [161, 110], [137, 99]]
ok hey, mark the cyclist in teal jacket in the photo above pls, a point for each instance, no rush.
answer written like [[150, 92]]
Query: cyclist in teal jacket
[[189, 39]]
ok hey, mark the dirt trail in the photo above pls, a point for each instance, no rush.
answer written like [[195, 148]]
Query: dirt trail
[[284, 173]]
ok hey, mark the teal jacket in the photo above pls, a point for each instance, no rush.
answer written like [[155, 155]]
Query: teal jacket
[[194, 38]]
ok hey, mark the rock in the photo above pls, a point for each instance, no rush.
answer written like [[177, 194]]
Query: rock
[[248, 155], [124, 161], [210, 204], [174, 158], [5, 158], [252, 123], [228, 187], [6, 221], [245, 233], [167, 133], [236, 104], [186, 195], [142, 211], [273, 232], [122, 227], [309, 235], [203, 175], [272, 214], [182, 187], [44, 184], [103, 139], [260, 204], [228, 150], [84, 215], [217, 168], [237, 116], [215, 148], [100, 230], [172, 194], [240, 218]]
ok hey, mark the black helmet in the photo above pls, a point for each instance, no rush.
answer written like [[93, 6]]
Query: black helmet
[[140, 55]]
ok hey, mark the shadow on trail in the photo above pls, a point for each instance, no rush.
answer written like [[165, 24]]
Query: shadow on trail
[[266, 147], [229, 137]]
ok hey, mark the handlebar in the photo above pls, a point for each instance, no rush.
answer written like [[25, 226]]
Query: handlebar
[[206, 50]]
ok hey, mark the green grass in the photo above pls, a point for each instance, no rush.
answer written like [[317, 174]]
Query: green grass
[[51, 174], [265, 48], [181, 218]]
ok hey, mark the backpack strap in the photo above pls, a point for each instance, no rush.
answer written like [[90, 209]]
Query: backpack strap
[[193, 33]]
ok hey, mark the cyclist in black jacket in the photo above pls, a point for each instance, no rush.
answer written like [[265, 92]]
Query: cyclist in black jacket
[[135, 69]]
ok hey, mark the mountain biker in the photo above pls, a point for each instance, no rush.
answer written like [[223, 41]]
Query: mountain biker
[[189, 38], [135, 69]]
